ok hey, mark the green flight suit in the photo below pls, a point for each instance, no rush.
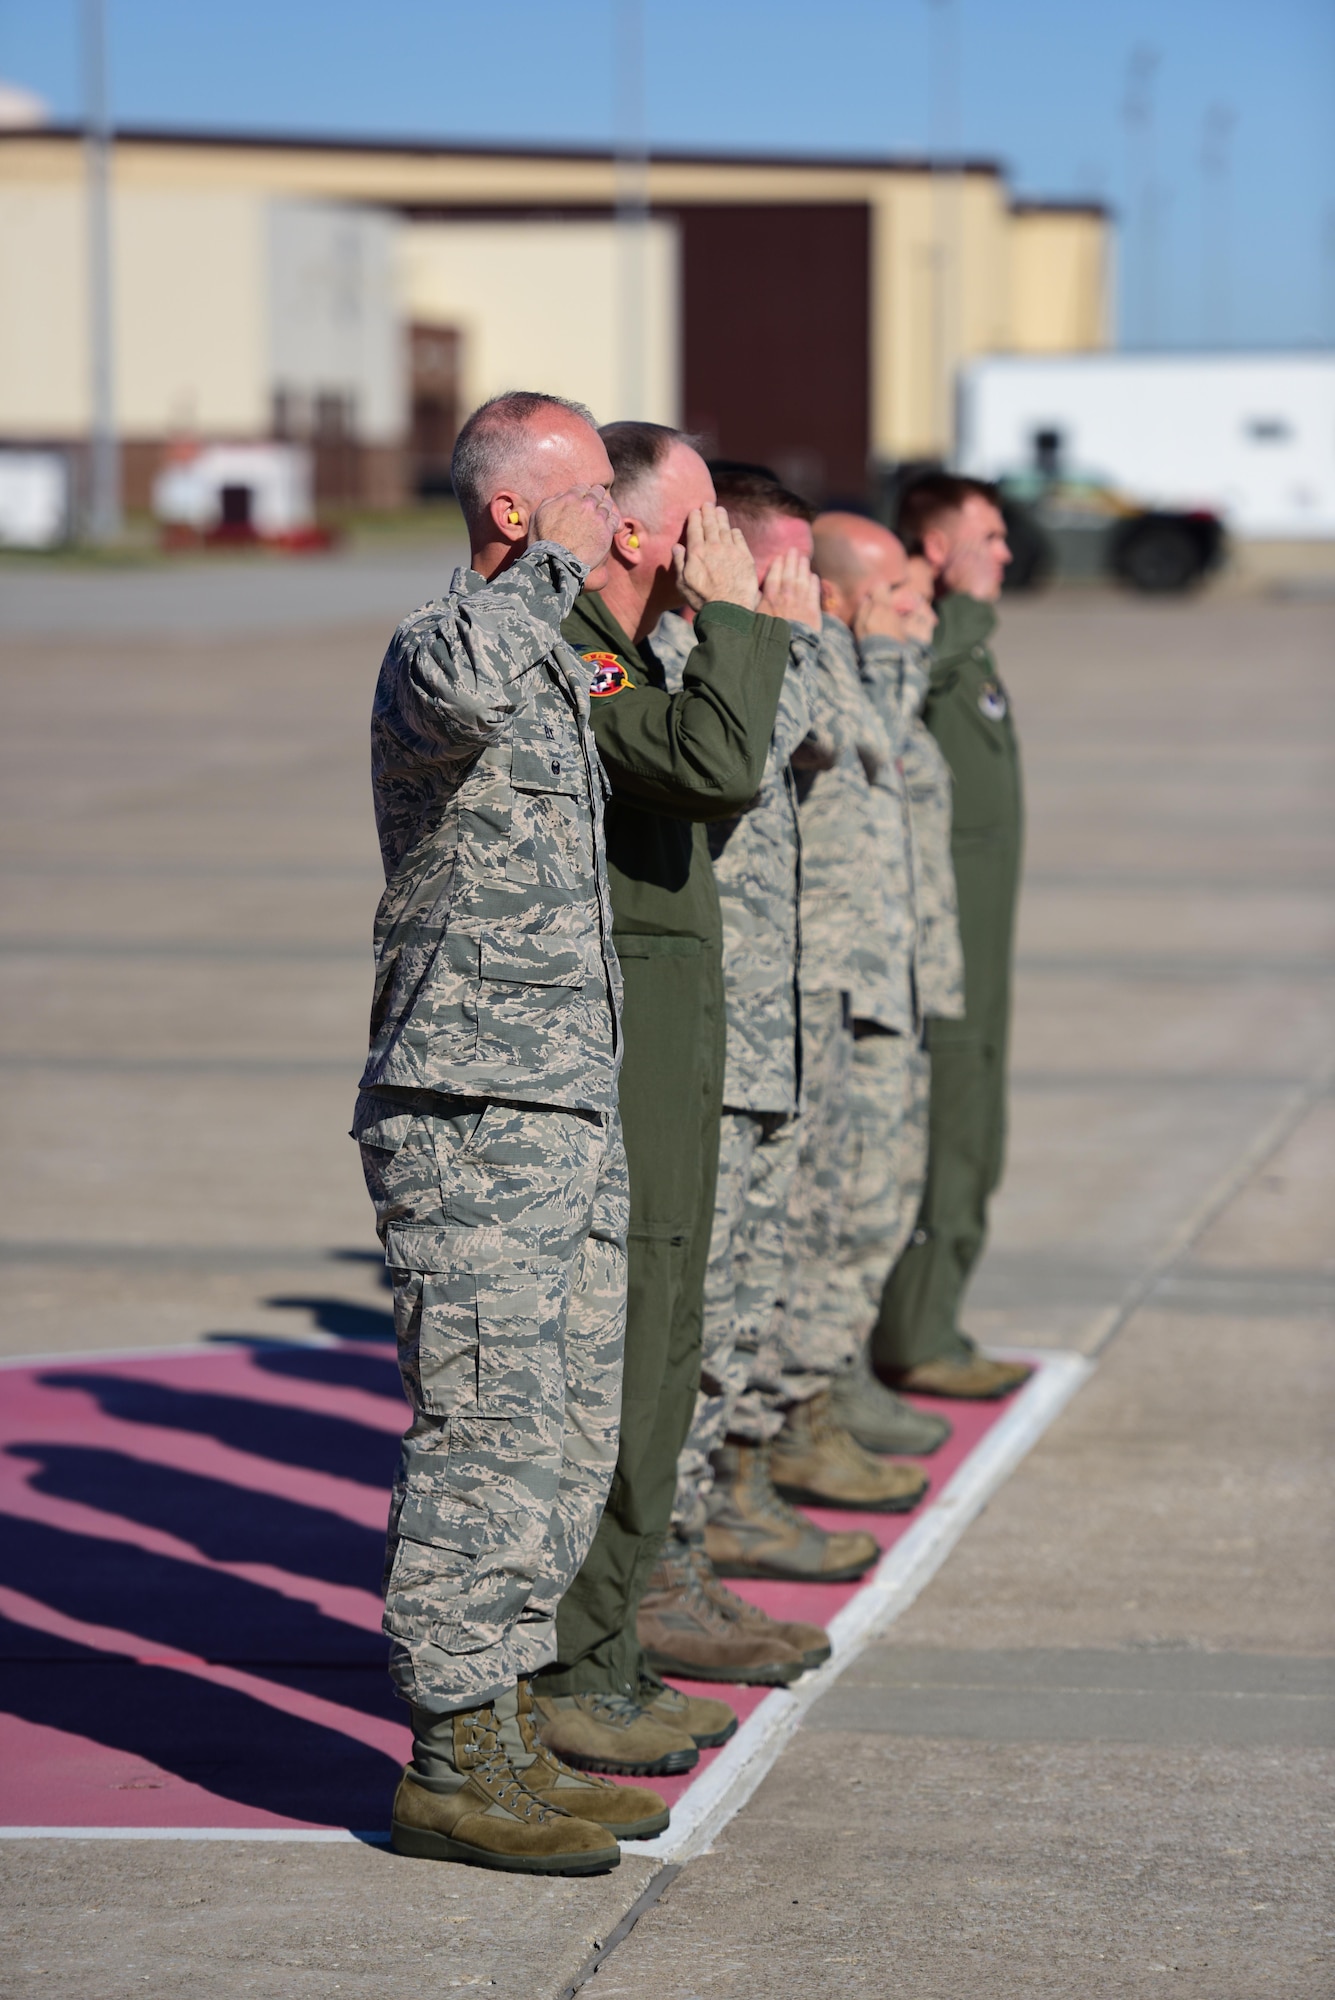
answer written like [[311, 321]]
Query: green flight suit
[[675, 761], [967, 710]]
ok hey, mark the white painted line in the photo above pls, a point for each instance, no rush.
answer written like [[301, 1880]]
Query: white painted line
[[902, 1572], [307, 1833]]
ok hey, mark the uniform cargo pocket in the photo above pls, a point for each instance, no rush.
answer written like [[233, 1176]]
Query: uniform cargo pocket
[[490, 1343]]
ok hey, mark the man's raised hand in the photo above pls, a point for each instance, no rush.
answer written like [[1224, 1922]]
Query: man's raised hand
[[583, 520], [878, 615], [791, 590], [714, 565], [918, 613]]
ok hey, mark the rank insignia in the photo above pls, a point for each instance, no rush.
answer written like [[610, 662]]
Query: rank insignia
[[992, 701], [609, 676]]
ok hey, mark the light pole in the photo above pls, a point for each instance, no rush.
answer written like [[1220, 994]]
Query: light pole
[[103, 515], [631, 174]]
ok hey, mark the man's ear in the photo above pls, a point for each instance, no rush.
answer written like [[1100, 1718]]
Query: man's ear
[[936, 548], [509, 516], [830, 599], [628, 543]]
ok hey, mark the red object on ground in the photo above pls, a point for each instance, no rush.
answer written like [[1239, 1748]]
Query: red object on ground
[[190, 1551]]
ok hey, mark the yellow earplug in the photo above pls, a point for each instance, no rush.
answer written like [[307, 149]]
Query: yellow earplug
[[632, 541], [512, 518]]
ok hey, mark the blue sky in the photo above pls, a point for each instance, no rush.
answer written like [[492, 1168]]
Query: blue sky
[[1041, 87]]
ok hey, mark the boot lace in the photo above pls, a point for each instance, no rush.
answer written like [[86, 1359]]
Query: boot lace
[[712, 1586], [621, 1710], [769, 1502], [493, 1770]]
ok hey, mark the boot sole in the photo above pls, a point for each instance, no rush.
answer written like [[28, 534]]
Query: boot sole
[[971, 1395], [712, 1739], [423, 1845], [883, 1449], [778, 1674], [670, 1766], [806, 1497], [768, 1573], [640, 1829]]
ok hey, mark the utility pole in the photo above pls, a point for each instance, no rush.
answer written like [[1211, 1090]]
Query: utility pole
[[1142, 197], [103, 515], [947, 218], [1216, 231], [632, 211]]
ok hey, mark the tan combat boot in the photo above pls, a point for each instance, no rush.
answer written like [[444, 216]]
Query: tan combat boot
[[477, 1808], [880, 1420], [752, 1532], [631, 1812], [814, 1459], [975, 1378], [683, 1632], [599, 1730], [811, 1641], [708, 1723]]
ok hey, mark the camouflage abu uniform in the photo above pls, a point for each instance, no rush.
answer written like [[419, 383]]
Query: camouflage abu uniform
[[488, 1125], [757, 866], [887, 1152], [856, 946]]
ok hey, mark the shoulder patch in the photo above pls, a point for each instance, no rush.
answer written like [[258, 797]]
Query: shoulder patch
[[609, 676], [992, 701]]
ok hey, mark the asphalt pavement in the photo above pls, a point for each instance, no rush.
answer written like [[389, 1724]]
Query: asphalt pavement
[[1093, 1758]]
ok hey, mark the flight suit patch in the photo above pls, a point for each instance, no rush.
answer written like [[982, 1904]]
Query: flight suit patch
[[992, 701], [609, 676]]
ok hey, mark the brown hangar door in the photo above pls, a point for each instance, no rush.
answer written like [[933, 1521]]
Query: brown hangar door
[[776, 339]]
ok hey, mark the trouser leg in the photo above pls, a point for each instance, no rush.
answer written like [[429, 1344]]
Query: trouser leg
[[594, 1346], [886, 1155], [755, 1405], [919, 1314], [497, 1220], [739, 1137], [671, 1091], [815, 1207]]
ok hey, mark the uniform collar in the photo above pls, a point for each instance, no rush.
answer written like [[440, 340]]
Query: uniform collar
[[969, 620]]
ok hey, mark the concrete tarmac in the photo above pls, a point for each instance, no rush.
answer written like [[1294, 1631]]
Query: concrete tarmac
[[1093, 1758]]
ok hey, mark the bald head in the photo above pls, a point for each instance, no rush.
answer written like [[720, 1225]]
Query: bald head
[[853, 557], [517, 451]]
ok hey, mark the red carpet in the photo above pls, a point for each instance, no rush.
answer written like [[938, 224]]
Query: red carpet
[[190, 1557]]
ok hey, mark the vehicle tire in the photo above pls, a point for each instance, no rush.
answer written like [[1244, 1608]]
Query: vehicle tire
[[1160, 557], [1031, 552]]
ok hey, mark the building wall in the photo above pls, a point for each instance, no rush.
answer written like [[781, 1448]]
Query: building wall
[[1060, 282], [519, 252], [44, 382], [536, 304], [332, 319], [187, 320]]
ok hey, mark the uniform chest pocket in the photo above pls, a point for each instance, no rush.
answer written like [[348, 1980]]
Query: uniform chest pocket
[[545, 757], [549, 807]]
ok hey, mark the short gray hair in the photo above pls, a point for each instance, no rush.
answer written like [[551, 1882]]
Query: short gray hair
[[638, 452], [485, 446]]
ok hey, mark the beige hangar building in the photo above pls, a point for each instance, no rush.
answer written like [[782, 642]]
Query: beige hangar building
[[807, 313]]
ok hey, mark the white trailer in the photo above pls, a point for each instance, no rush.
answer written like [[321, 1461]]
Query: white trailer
[[1248, 437]]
